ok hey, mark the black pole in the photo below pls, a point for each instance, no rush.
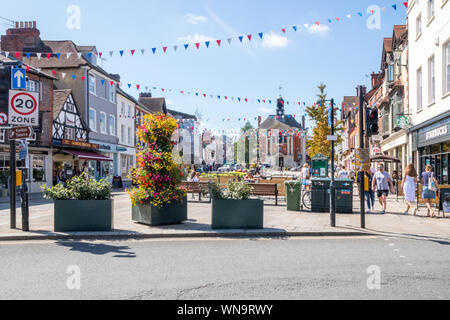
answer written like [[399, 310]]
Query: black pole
[[332, 185], [12, 185], [25, 205], [361, 145]]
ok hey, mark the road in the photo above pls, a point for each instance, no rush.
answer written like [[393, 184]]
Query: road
[[300, 268]]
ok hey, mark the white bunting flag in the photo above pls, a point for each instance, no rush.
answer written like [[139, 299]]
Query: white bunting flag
[[39, 55], [79, 55], [63, 75], [142, 51], [349, 16], [111, 53], [229, 40], [175, 48], [68, 54]]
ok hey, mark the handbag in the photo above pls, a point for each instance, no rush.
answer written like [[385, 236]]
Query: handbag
[[431, 184]]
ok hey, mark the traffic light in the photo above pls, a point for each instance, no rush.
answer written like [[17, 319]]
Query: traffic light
[[372, 127], [5, 83]]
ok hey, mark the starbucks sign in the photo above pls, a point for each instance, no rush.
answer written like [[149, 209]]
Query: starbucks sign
[[403, 122]]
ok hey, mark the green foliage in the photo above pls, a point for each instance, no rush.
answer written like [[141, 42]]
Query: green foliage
[[79, 188], [235, 191]]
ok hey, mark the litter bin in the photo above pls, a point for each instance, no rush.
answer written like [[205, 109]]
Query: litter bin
[[344, 196], [293, 191], [320, 194]]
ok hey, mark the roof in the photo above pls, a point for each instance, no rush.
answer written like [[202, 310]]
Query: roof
[[181, 114], [400, 31], [154, 105], [387, 48], [283, 122], [59, 99], [31, 70]]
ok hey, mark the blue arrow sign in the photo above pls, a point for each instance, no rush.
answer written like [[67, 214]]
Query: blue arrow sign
[[18, 79]]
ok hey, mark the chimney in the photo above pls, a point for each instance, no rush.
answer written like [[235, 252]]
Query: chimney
[[24, 35], [375, 81], [303, 122]]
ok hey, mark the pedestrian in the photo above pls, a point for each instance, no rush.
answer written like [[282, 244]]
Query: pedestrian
[[430, 187], [368, 191], [343, 173], [409, 186], [395, 179], [306, 176], [381, 182], [60, 179]]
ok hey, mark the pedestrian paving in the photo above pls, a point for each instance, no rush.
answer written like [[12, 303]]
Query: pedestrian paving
[[278, 222]]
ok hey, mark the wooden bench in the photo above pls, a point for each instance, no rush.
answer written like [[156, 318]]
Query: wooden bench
[[265, 189], [196, 187]]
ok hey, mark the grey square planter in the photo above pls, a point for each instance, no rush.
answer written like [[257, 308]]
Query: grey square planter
[[237, 214], [84, 215], [172, 213]]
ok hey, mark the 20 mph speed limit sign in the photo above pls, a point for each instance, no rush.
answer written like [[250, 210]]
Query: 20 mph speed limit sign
[[23, 108]]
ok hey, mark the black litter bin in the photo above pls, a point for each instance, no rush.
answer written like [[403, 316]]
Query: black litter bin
[[320, 194], [344, 196]]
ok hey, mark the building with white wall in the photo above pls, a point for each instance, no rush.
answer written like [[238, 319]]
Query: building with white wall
[[429, 85]]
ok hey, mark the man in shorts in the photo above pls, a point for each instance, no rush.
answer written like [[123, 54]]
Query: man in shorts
[[382, 183]]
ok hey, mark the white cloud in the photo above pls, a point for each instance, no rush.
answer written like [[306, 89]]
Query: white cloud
[[194, 19], [320, 30], [195, 38], [265, 110], [273, 40]]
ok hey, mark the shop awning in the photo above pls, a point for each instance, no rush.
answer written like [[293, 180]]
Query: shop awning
[[87, 155], [384, 158]]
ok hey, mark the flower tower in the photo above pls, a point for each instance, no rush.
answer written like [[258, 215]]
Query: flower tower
[[157, 175]]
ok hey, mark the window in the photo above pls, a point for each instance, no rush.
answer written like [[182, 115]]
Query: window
[[129, 135], [129, 111], [112, 93], [103, 123], [32, 86], [391, 72], [431, 81], [447, 67], [93, 119], [418, 26], [122, 110], [112, 125], [70, 134], [38, 168], [430, 9], [92, 87], [122, 133], [419, 89]]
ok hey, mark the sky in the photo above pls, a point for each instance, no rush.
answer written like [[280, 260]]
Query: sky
[[339, 54]]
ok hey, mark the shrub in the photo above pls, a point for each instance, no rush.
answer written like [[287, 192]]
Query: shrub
[[234, 191], [79, 188]]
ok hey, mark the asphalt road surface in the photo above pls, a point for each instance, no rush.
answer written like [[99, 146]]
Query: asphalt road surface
[[301, 268]]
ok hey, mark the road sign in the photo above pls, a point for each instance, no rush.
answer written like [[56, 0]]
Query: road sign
[[18, 79], [3, 119], [23, 108], [332, 138], [362, 161], [20, 133]]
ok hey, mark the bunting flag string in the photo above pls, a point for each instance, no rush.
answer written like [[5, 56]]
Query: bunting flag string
[[207, 44]]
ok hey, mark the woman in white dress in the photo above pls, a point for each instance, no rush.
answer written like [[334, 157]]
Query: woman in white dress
[[409, 186]]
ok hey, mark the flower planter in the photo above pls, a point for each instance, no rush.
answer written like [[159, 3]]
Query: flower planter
[[172, 213], [237, 214], [84, 215]]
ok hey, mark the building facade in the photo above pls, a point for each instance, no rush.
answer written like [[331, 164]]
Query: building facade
[[429, 70]]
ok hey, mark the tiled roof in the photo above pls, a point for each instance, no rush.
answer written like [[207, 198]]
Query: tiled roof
[[155, 105], [283, 122], [59, 99], [56, 47]]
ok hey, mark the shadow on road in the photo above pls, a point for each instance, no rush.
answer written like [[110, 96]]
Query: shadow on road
[[98, 249]]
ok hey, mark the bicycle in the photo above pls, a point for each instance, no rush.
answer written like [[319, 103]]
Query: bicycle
[[306, 200]]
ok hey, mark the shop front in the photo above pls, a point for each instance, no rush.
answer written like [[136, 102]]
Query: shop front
[[127, 161], [396, 146], [74, 157], [105, 169], [38, 173], [431, 146]]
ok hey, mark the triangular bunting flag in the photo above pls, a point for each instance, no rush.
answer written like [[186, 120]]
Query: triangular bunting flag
[[17, 55], [394, 6], [175, 48], [132, 52], [142, 51], [186, 46], [249, 37], [406, 4], [218, 42], [137, 87], [63, 75], [73, 77], [103, 81], [229, 40], [295, 28], [164, 49], [49, 56], [100, 54], [58, 55], [241, 38], [207, 43], [154, 50], [284, 30], [111, 53], [121, 53], [197, 45], [79, 55], [261, 35], [28, 55], [129, 85]]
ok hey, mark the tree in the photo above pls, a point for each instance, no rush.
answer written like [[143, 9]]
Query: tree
[[319, 113]]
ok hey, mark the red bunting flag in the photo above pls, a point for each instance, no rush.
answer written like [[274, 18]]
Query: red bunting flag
[[197, 45], [162, 89], [28, 68], [249, 37], [318, 23], [406, 4], [245, 99], [100, 54], [284, 30], [138, 86], [112, 83], [132, 52], [338, 18], [165, 49], [226, 98], [82, 78], [182, 92], [17, 55], [53, 72], [49, 55], [218, 42], [204, 95]]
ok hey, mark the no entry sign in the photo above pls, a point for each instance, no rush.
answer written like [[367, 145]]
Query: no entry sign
[[23, 108]]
